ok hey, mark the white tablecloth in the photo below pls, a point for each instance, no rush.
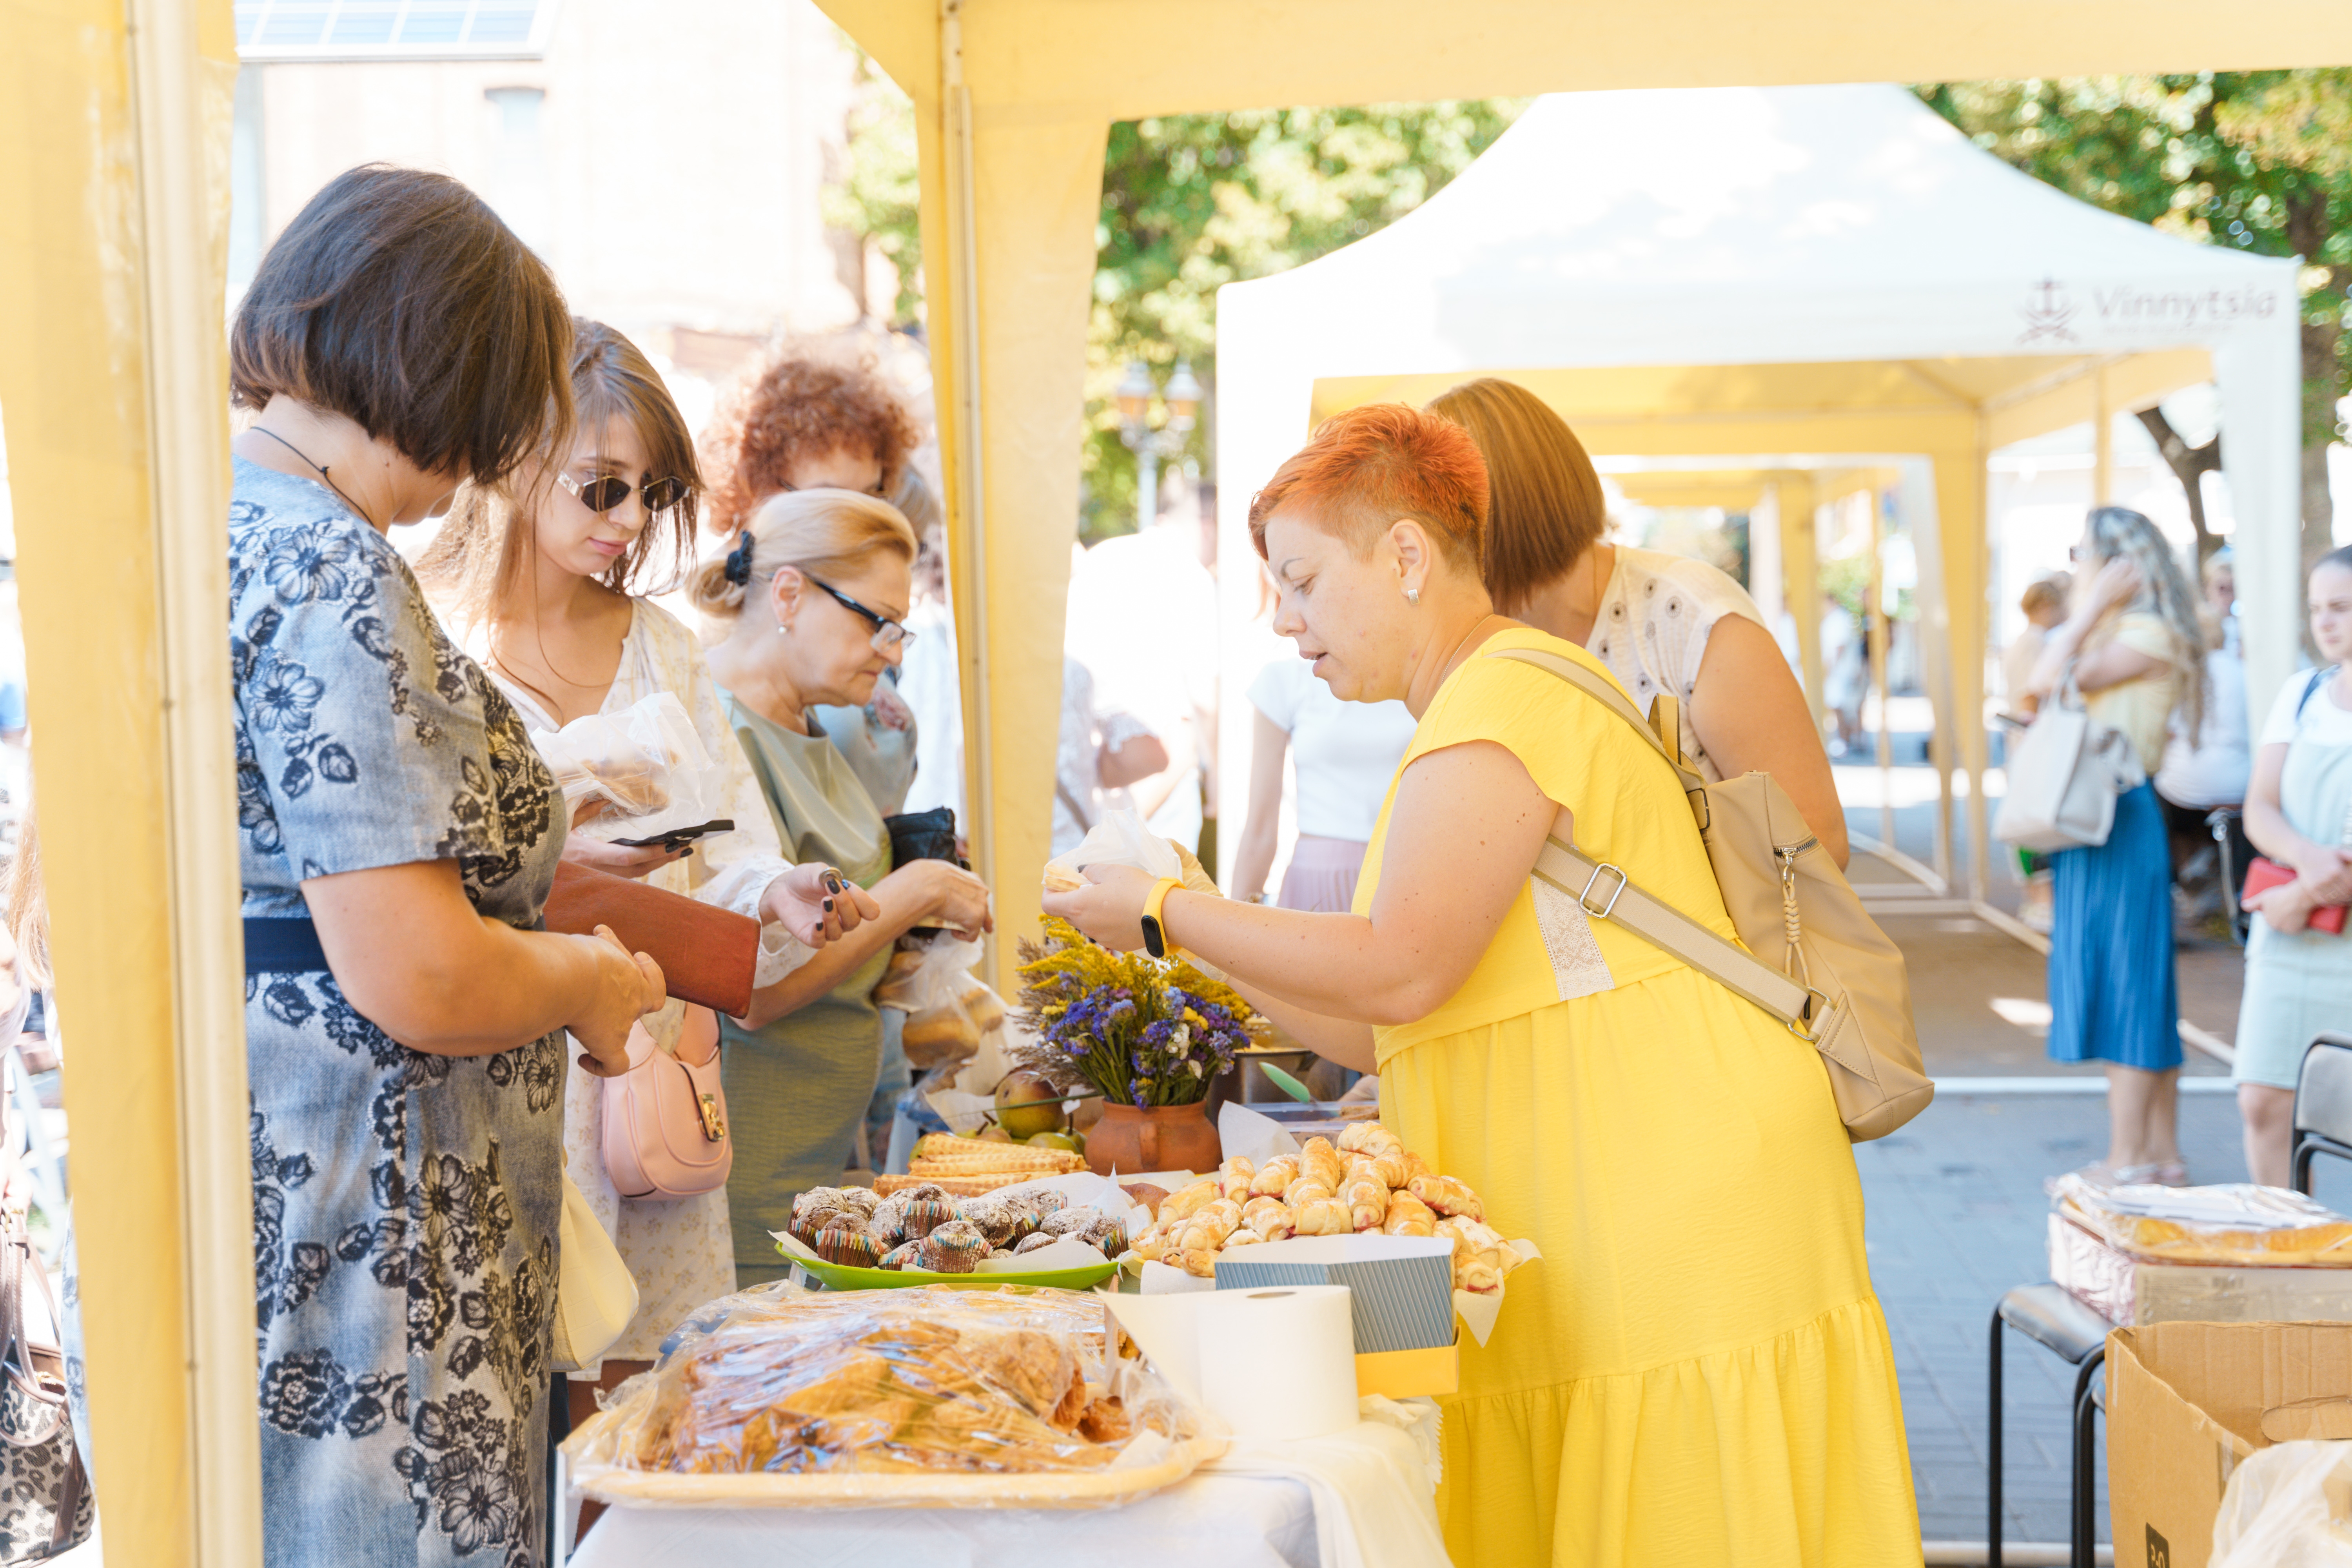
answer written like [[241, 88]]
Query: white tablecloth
[[1219, 1521]]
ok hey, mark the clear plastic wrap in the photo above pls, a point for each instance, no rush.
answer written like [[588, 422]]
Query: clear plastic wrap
[[960, 1385], [950, 1010], [644, 768], [2234, 1224]]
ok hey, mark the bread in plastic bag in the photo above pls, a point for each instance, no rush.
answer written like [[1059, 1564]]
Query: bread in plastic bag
[[2287, 1506], [937, 1378], [950, 1010], [1119, 839], [2236, 1223], [643, 769]]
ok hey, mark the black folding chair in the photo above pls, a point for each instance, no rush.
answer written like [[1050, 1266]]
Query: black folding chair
[[2050, 1317], [2323, 1105]]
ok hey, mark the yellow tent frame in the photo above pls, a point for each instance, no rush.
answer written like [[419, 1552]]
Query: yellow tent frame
[[114, 171]]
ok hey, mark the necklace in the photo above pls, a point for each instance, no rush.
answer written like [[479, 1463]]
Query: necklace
[[359, 511]]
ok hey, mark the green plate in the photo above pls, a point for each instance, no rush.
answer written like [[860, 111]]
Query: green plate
[[848, 1276]]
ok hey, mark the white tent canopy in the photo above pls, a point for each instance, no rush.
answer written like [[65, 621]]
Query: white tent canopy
[[1785, 270]]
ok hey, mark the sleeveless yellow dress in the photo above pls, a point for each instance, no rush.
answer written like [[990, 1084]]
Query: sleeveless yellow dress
[[1697, 1373]]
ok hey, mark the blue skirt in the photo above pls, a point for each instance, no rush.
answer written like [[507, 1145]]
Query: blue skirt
[[2113, 996]]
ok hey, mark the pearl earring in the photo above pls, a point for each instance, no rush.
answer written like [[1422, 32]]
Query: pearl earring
[[1413, 596], [783, 630]]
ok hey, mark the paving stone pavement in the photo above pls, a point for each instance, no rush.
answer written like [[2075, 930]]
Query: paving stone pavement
[[1956, 1214]]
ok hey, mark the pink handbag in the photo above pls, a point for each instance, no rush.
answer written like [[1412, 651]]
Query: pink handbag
[[665, 1119]]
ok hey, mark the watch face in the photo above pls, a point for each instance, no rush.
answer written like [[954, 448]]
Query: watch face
[[1155, 941]]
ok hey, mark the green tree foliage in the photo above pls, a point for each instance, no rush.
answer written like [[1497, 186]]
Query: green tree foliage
[[877, 188], [2260, 160], [1194, 202]]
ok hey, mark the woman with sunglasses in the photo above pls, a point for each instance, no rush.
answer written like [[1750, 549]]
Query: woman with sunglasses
[[536, 576], [813, 599]]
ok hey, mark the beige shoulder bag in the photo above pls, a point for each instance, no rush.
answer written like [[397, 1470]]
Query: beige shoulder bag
[[1841, 985]]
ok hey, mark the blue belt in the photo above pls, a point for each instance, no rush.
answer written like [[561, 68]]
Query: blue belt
[[282, 946]]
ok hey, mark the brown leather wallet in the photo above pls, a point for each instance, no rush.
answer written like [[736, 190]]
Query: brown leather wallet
[[706, 954]]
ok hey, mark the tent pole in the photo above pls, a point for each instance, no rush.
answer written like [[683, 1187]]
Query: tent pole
[[1973, 757], [1875, 624], [1792, 498], [2102, 441]]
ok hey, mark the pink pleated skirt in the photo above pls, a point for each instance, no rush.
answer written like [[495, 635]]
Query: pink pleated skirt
[[1322, 875]]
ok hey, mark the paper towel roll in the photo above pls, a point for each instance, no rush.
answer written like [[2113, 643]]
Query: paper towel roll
[[1277, 1363]]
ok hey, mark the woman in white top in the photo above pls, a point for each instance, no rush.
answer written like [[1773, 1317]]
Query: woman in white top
[[536, 582], [1664, 624], [2299, 813], [1346, 754]]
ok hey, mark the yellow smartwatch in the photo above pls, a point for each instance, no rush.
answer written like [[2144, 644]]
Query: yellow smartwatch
[[1155, 930]]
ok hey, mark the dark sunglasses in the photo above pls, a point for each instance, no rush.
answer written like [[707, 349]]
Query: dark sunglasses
[[888, 634], [604, 493]]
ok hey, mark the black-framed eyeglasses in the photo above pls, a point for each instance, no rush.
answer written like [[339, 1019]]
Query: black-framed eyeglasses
[[602, 493], [888, 633]]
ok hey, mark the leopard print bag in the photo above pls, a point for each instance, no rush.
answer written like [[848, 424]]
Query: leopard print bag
[[45, 1501]]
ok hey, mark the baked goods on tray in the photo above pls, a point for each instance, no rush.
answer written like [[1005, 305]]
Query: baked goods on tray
[[851, 1225], [2235, 1224], [936, 1378]]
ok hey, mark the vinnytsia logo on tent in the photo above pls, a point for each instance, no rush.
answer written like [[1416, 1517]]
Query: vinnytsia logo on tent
[[2051, 313]]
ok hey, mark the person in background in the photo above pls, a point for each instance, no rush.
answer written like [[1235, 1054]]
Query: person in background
[[813, 602], [2133, 646], [1099, 756], [1345, 755], [1664, 624], [812, 416], [537, 576], [404, 1021], [1845, 674], [1143, 620], [2044, 604], [2211, 768], [1709, 1380], [2299, 813]]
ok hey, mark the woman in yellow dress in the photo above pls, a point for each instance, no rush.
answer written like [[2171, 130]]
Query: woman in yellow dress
[[1697, 1373]]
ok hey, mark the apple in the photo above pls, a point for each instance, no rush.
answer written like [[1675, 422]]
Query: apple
[[1029, 1119]]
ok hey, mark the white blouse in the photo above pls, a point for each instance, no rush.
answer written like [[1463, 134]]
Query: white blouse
[[680, 1250], [1652, 627]]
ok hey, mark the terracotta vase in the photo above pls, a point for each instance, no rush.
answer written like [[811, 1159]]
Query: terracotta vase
[[1159, 1138]]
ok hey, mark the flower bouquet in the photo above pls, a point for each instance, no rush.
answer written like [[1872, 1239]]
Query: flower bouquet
[[1150, 1035]]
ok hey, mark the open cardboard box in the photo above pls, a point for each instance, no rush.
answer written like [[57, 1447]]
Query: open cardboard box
[[2187, 1402]]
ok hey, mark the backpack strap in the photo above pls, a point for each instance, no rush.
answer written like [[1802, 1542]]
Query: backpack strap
[[1605, 892], [2311, 689]]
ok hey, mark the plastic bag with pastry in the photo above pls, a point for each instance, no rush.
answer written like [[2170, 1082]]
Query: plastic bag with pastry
[[1408, 1215], [1234, 1175], [948, 1009], [1447, 1196], [1273, 1177], [1367, 1198], [1325, 1216], [636, 773]]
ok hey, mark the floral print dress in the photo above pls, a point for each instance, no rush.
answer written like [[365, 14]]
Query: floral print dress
[[404, 1205]]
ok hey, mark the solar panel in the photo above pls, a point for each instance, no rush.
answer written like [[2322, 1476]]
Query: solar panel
[[281, 31]]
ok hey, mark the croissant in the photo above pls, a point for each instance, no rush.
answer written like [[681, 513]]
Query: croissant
[[1189, 1200], [1386, 1167], [1305, 1189], [1201, 1263], [1151, 1246], [1368, 1138], [1324, 1216], [1367, 1198], [1205, 1231], [1447, 1196], [1478, 1255], [1273, 1176], [1414, 1165], [1269, 1219], [1319, 1160], [1233, 1177], [1408, 1215], [1224, 1212]]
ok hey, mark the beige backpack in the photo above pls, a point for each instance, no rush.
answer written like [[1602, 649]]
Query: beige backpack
[[1841, 985]]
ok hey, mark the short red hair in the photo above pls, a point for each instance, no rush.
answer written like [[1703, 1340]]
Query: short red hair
[[1366, 468]]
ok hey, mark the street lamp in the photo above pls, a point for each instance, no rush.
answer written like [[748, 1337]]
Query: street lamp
[[1133, 396]]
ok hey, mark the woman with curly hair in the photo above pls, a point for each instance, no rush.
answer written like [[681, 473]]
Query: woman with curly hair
[[805, 420], [2134, 651]]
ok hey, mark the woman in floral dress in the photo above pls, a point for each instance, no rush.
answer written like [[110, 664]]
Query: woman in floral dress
[[404, 1022], [536, 578]]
